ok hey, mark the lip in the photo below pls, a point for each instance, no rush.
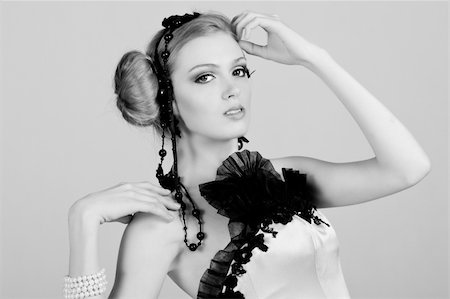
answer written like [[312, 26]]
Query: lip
[[236, 116], [235, 108]]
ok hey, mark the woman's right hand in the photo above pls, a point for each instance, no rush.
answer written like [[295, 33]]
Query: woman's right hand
[[121, 202]]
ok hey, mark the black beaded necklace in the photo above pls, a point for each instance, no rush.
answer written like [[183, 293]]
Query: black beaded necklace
[[171, 180]]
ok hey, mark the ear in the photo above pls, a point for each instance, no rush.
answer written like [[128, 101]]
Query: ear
[[175, 109]]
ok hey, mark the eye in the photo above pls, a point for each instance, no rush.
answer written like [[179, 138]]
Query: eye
[[242, 70], [202, 77]]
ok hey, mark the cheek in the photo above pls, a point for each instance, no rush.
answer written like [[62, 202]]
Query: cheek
[[246, 95], [197, 112], [195, 102], [200, 107]]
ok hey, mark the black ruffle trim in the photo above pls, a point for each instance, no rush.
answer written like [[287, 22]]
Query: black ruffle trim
[[253, 196]]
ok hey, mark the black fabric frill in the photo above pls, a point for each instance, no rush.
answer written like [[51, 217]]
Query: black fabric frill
[[249, 192]]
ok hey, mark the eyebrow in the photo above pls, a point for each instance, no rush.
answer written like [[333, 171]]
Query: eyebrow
[[215, 65]]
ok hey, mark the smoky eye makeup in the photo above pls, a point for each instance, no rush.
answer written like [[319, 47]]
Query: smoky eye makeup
[[200, 78]]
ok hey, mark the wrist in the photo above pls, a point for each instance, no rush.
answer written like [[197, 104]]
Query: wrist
[[83, 241], [316, 58], [82, 220]]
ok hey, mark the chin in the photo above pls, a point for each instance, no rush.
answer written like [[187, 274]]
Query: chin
[[225, 131], [238, 133]]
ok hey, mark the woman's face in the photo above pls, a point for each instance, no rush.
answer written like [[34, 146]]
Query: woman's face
[[208, 79]]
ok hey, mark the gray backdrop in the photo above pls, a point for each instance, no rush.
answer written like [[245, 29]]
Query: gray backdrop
[[61, 136]]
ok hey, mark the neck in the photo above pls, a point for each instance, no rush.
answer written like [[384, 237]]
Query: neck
[[199, 158]]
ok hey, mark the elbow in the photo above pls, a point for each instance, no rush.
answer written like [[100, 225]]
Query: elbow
[[419, 172]]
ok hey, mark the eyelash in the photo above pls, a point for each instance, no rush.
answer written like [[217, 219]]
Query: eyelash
[[244, 69]]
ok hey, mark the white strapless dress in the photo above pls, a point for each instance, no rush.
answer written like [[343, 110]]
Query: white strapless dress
[[280, 247], [301, 262]]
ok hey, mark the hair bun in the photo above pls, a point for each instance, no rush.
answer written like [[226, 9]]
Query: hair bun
[[136, 87]]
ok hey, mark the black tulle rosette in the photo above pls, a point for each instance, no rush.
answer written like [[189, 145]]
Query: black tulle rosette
[[248, 189], [249, 192]]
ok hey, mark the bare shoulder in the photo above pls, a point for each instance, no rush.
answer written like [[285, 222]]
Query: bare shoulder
[[146, 224], [148, 248], [149, 233]]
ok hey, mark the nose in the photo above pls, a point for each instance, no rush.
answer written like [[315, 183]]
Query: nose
[[230, 90]]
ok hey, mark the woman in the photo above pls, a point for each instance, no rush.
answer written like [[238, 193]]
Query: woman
[[247, 226]]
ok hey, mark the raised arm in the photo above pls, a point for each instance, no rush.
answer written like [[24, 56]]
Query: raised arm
[[399, 161]]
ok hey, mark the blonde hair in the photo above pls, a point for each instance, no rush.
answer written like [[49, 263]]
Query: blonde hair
[[136, 85]]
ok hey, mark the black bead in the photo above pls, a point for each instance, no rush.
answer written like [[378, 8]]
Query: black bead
[[168, 37], [193, 247], [183, 206], [200, 235], [237, 269], [178, 196], [196, 213], [159, 171], [245, 257], [162, 152], [230, 281], [165, 54]]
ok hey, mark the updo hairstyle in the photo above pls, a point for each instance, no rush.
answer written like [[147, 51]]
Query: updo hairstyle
[[136, 85]]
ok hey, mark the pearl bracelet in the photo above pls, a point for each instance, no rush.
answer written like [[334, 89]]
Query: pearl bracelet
[[85, 286]]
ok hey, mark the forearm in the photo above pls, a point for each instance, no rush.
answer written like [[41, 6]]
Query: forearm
[[83, 237], [395, 148]]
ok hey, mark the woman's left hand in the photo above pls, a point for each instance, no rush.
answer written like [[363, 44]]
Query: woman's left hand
[[283, 44]]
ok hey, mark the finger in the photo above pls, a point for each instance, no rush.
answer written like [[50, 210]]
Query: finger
[[238, 18], [264, 23], [147, 185], [156, 209], [241, 24], [244, 21], [140, 203], [146, 195], [253, 49], [169, 203], [267, 23], [153, 199], [154, 187]]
